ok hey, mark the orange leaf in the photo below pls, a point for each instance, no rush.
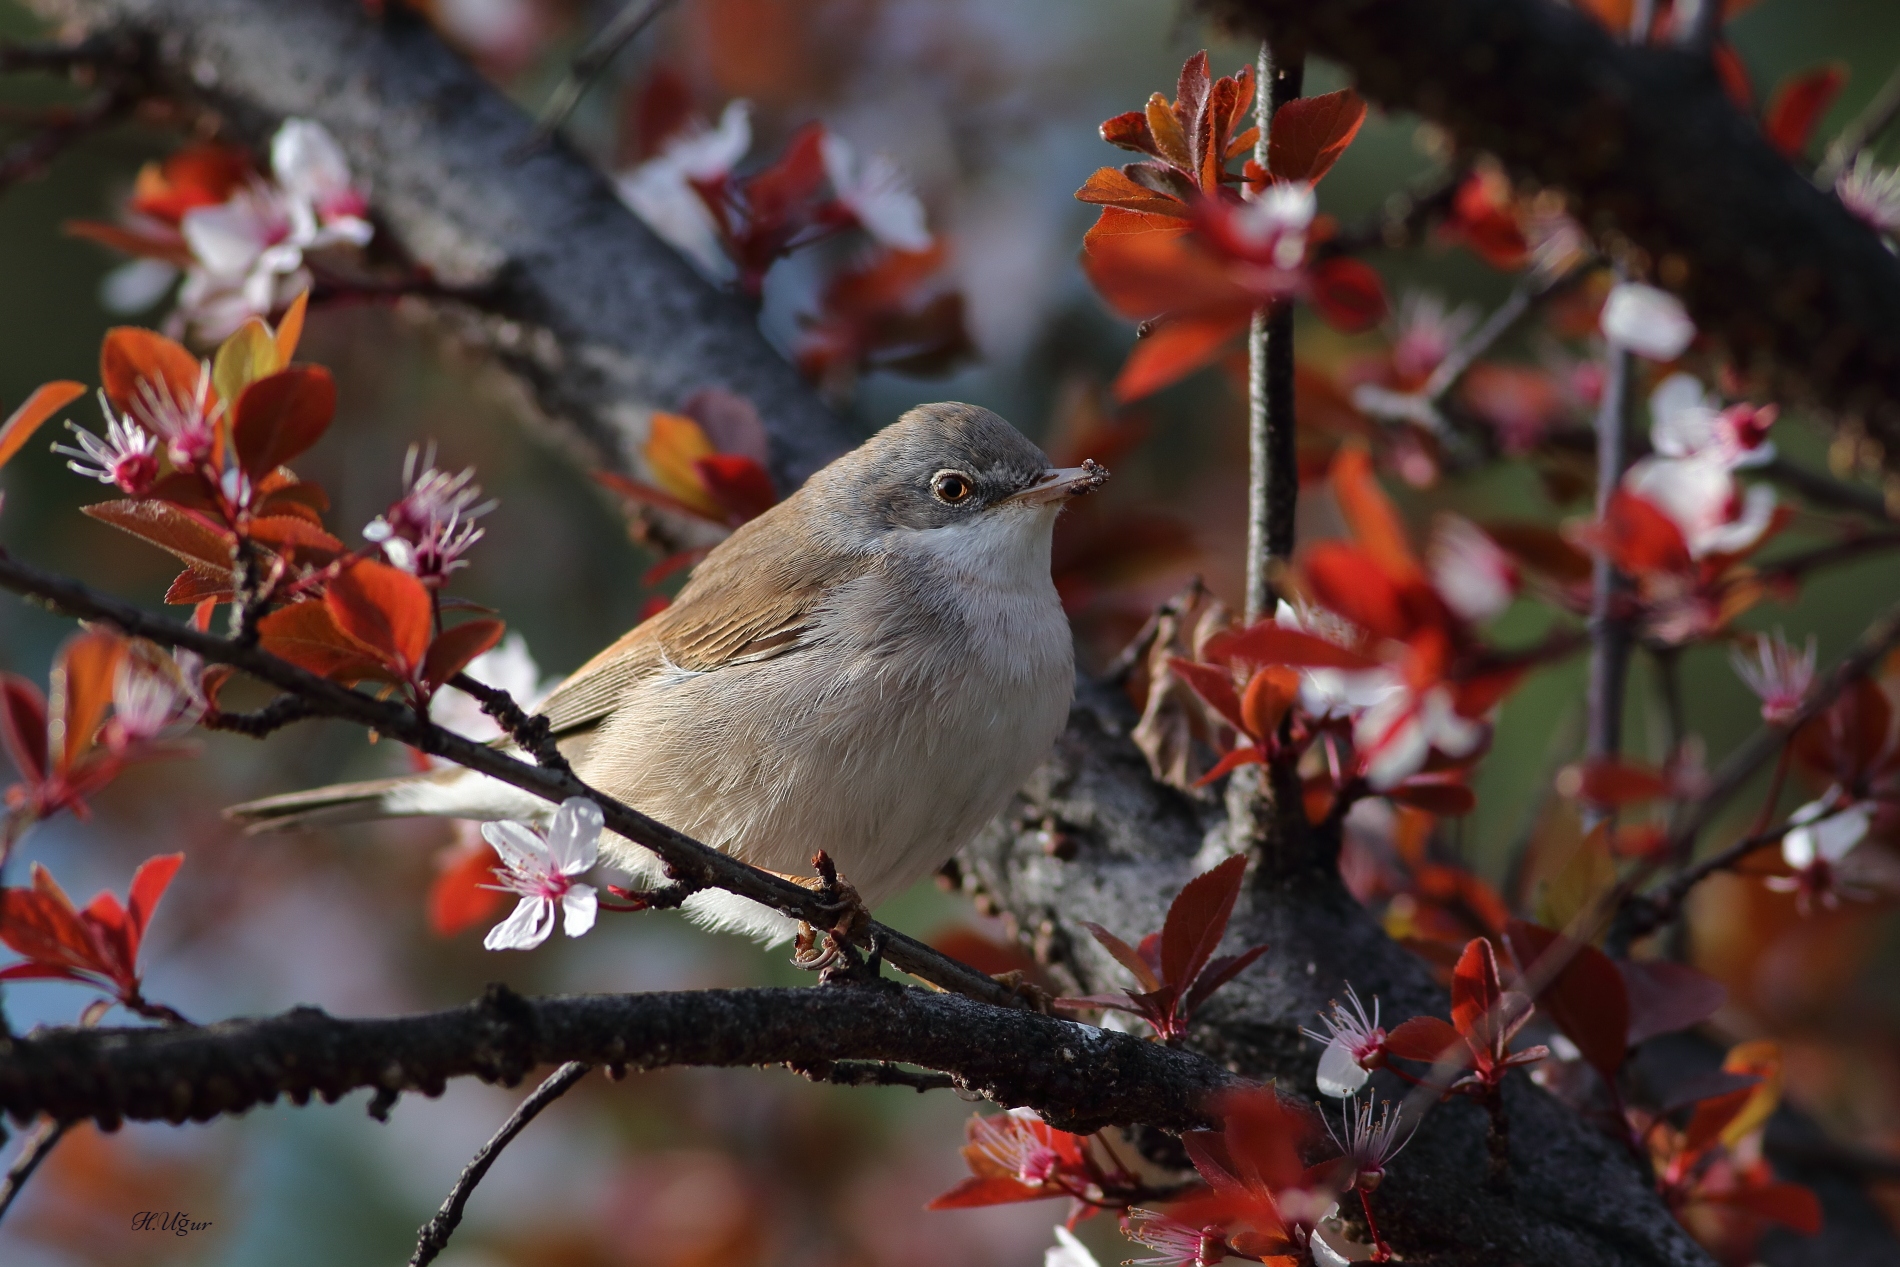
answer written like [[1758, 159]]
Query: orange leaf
[[1175, 349], [82, 689], [1119, 222], [981, 1191], [459, 896], [290, 329], [149, 883], [1799, 105], [307, 635], [46, 400], [385, 609], [162, 245], [1349, 581], [1113, 187], [295, 532], [170, 528], [453, 648], [1267, 698], [1144, 274], [1307, 135], [1266, 642], [131, 355], [280, 416], [674, 444], [192, 587], [1375, 524]]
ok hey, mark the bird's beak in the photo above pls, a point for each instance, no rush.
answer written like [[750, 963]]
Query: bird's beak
[[1061, 483]]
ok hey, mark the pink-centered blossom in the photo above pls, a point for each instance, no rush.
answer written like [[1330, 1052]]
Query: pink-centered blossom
[[1020, 1142], [150, 696], [1175, 1244], [1691, 476], [1370, 1140], [1470, 571], [187, 425], [1871, 192], [1650, 322], [1778, 675], [1823, 834], [1271, 229], [1425, 332], [126, 456], [1355, 1044], [542, 870], [432, 525]]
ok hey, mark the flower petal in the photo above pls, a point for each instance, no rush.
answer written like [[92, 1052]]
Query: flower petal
[[574, 837], [580, 906], [1339, 1074], [526, 928], [519, 847]]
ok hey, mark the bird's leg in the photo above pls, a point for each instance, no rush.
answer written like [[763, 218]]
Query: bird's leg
[[841, 902]]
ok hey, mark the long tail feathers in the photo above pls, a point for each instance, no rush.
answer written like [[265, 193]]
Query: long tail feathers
[[325, 806]]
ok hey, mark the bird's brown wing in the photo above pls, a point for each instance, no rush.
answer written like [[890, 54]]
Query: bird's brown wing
[[751, 599]]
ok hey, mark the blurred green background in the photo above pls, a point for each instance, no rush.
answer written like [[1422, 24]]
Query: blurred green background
[[991, 106]]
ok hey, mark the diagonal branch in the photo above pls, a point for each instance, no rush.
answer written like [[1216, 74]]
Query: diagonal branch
[[688, 862], [1077, 1076]]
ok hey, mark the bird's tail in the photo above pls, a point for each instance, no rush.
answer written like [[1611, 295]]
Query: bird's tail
[[336, 804]]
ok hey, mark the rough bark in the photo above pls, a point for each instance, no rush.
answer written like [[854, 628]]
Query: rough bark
[[1650, 150], [1075, 1074], [600, 320]]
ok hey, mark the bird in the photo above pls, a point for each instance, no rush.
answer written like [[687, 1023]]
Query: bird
[[870, 668]]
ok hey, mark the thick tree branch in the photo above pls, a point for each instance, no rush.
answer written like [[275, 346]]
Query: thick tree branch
[[689, 862], [1800, 293], [1076, 1075], [600, 319]]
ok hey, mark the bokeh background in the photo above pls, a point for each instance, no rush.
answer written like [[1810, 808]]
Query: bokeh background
[[991, 107]]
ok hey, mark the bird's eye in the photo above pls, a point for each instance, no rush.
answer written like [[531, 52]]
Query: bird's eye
[[951, 487]]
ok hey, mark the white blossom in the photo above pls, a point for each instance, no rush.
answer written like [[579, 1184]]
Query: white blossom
[[508, 667], [1352, 1038], [1871, 192], [876, 193], [1474, 576], [1395, 736], [542, 871], [1332, 693], [1067, 1251], [1649, 322], [661, 191], [1821, 836]]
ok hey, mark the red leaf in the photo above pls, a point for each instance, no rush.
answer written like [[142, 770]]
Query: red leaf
[[82, 689], [1611, 781], [459, 897], [1375, 523], [1266, 642], [1244, 755], [1790, 1204], [1267, 698], [284, 533], [1174, 349], [149, 883], [1586, 999], [1474, 986], [46, 400], [454, 647], [170, 528], [130, 355], [307, 635], [282, 415], [1307, 135], [1213, 684], [738, 483], [1348, 294], [42, 924], [1347, 580], [1799, 105], [1219, 972], [1435, 796], [192, 586], [386, 609], [1113, 188], [980, 1191], [1734, 76], [1127, 956], [1196, 920], [1665, 997], [1424, 1038], [23, 726], [1640, 538], [1130, 132]]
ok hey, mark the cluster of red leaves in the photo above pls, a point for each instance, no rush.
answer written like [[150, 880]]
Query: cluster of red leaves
[[1176, 968], [1399, 624], [1485, 1017], [767, 215], [67, 751], [97, 946], [884, 314], [1178, 248], [246, 528], [201, 175]]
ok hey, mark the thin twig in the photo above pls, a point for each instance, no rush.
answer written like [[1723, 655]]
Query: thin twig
[[1876, 117], [588, 64], [280, 712], [530, 731], [687, 859], [35, 1146], [435, 1233]]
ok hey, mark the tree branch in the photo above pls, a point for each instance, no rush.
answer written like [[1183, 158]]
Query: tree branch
[[1802, 295], [1079, 1077], [434, 1237], [687, 861]]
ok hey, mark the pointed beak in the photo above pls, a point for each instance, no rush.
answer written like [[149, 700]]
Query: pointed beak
[[1061, 483]]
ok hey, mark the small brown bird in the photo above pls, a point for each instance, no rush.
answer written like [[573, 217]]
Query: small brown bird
[[870, 668]]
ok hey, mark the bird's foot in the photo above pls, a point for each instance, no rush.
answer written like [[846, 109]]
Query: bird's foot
[[827, 948]]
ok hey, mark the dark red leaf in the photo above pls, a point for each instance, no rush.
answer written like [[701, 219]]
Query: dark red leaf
[[1196, 919], [1424, 1038], [171, 528], [737, 483], [1475, 991], [1665, 997], [1443, 797], [191, 587], [1267, 642], [282, 415], [1219, 972], [149, 883], [1612, 782], [1308, 134], [307, 635], [1348, 294], [1586, 998], [1213, 684], [1125, 955], [454, 647], [1799, 105], [23, 726]]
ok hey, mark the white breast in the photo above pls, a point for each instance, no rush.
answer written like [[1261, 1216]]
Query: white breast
[[927, 693]]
